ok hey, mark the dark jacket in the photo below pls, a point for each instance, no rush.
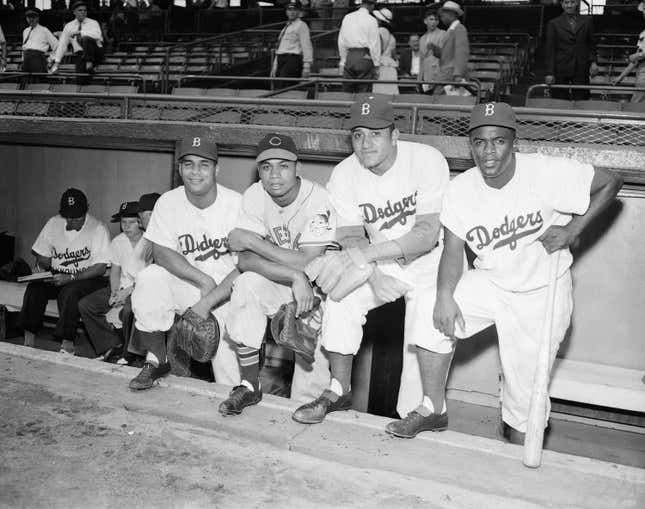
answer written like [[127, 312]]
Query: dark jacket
[[405, 62], [570, 52]]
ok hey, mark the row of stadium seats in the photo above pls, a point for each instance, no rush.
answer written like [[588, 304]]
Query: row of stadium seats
[[590, 105], [70, 88]]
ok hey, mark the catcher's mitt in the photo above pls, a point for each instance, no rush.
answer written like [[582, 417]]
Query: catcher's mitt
[[192, 337], [297, 334]]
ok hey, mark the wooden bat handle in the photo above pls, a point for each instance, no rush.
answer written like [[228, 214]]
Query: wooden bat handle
[[534, 437]]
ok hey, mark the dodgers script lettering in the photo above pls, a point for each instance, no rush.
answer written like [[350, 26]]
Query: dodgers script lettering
[[508, 233], [205, 247], [396, 212]]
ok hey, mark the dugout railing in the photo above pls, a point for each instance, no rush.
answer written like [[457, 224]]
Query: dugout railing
[[541, 93], [602, 128]]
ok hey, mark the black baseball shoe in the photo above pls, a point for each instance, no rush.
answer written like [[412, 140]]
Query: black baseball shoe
[[328, 401], [239, 398], [414, 423], [146, 377]]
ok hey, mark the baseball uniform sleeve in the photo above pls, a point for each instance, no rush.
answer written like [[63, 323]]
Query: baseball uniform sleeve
[[250, 216], [115, 252], [449, 216], [101, 245], [160, 229], [43, 244], [339, 188], [434, 177], [564, 184]]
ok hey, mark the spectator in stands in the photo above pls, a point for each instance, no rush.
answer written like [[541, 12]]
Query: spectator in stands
[[453, 56], [570, 52], [434, 37], [37, 41], [636, 61], [86, 38], [409, 59], [389, 62], [3, 51], [359, 47], [74, 246], [100, 310], [295, 54]]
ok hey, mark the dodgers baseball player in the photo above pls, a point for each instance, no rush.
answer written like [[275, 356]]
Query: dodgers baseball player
[[393, 190], [512, 210], [192, 263], [285, 222]]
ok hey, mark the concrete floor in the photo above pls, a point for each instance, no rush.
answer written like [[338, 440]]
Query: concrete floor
[[74, 436]]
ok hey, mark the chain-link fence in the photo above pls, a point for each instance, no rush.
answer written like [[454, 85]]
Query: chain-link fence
[[606, 128]]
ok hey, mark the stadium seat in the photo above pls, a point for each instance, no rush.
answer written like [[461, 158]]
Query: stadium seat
[[252, 92], [8, 86], [108, 68], [634, 107], [596, 105], [122, 89], [188, 91], [64, 88], [221, 92], [38, 87], [547, 102], [94, 89], [129, 68], [414, 98]]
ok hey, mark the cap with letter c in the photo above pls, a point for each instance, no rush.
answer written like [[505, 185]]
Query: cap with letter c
[[373, 111], [496, 114], [197, 146], [276, 146]]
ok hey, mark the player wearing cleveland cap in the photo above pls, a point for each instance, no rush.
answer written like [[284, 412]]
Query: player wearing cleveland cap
[[285, 222], [512, 210], [75, 247], [192, 263], [392, 189]]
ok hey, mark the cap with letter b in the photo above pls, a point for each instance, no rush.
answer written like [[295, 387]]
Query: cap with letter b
[[127, 209], [373, 111], [73, 204], [496, 114], [197, 146]]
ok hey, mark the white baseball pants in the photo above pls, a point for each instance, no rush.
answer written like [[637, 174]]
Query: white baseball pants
[[158, 295], [255, 298], [518, 317]]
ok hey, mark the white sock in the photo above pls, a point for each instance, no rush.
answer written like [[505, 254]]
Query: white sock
[[152, 359], [249, 385], [427, 402], [336, 387]]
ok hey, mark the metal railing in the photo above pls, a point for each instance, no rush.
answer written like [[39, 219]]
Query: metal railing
[[608, 90], [68, 77]]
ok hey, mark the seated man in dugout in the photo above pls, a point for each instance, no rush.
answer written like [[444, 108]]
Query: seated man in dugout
[[74, 246], [193, 267], [100, 309], [285, 222]]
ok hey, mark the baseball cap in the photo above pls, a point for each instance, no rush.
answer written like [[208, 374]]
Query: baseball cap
[[452, 6], [75, 5], [498, 114], [293, 3], [147, 202], [384, 15], [276, 146], [373, 111], [73, 203], [32, 12], [127, 209], [198, 146]]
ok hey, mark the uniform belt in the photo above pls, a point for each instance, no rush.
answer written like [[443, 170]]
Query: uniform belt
[[35, 51], [363, 50]]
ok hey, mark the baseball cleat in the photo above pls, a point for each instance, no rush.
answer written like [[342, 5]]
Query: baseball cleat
[[414, 423], [239, 398], [146, 377], [328, 401]]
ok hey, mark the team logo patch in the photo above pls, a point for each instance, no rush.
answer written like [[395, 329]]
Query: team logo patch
[[275, 141], [489, 110], [70, 201], [197, 142], [319, 224]]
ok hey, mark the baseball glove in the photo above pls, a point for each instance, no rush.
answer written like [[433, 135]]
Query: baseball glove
[[192, 337], [297, 334], [340, 273]]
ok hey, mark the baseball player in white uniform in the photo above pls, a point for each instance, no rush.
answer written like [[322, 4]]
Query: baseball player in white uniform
[[393, 190], [192, 263], [513, 211], [285, 222]]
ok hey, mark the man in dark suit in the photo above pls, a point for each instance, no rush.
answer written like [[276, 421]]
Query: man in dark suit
[[409, 60], [570, 51]]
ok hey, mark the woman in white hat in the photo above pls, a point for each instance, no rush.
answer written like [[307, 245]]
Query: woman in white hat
[[389, 64]]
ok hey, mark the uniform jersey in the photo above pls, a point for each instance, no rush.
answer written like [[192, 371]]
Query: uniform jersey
[[199, 235], [122, 254], [307, 222], [390, 203], [502, 226], [73, 251]]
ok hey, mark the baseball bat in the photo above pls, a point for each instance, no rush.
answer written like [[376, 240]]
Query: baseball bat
[[534, 437]]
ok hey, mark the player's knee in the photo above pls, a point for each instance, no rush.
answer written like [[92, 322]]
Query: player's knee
[[151, 275], [248, 284]]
